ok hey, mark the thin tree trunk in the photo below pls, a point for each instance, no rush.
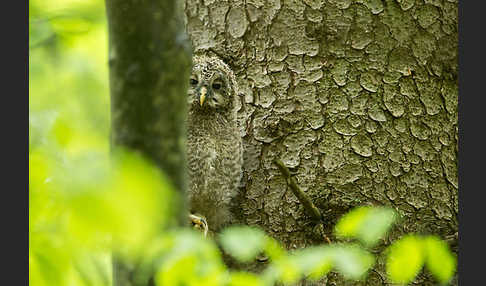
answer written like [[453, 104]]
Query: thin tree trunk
[[357, 98], [150, 59]]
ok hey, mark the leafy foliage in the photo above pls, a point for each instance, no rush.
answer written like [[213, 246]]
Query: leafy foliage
[[408, 255], [243, 242], [191, 260], [84, 201], [405, 259], [367, 224], [439, 260]]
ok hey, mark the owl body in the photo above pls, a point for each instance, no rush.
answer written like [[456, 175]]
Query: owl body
[[214, 148]]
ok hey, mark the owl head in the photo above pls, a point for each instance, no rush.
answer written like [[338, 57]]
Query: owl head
[[212, 85]]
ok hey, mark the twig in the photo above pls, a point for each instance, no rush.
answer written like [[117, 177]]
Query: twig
[[303, 198]]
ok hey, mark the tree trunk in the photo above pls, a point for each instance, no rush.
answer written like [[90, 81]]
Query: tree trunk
[[150, 60], [357, 98]]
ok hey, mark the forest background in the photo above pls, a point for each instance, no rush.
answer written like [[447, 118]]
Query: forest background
[[69, 150]]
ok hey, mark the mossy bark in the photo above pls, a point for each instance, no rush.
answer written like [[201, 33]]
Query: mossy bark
[[358, 98], [150, 61]]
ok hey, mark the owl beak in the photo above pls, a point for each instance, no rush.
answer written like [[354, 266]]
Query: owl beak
[[202, 95]]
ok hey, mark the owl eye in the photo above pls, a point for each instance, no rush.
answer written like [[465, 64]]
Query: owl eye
[[193, 81], [217, 85]]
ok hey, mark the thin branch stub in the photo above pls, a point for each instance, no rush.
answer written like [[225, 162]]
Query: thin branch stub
[[303, 198]]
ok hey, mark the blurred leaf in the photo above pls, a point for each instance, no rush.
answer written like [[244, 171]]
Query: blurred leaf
[[283, 270], [440, 261], [45, 206], [376, 225], [349, 225], [192, 260], [62, 132], [71, 214], [93, 268], [273, 249], [39, 170], [49, 256], [71, 24], [245, 279], [131, 203], [40, 125], [47, 270], [314, 262], [352, 261], [40, 33], [35, 274], [368, 224], [243, 242], [405, 259]]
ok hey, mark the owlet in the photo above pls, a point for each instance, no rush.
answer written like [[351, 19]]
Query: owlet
[[214, 148]]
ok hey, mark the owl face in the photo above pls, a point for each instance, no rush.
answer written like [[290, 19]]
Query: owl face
[[210, 86]]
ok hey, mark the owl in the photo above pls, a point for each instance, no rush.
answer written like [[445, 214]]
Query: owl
[[214, 147]]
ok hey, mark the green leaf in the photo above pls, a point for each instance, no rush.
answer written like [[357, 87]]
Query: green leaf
[[314, 262], [273, 249], [243, 242], [245, 279], [350, 224], [286, 270], [93, 267], [67, 24], [405, 259], [368, 224], [440, 261], [376, 225], [352, 261], [62, 131], [192, 260], [126, 199]]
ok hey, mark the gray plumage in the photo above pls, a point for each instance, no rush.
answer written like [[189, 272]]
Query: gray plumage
[[214, 148]]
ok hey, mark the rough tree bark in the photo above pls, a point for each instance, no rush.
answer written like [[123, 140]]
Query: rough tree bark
[[150, 61], [358, 98]]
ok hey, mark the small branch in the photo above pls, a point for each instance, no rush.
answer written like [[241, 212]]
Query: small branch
[[303, 198], [319, 230]]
